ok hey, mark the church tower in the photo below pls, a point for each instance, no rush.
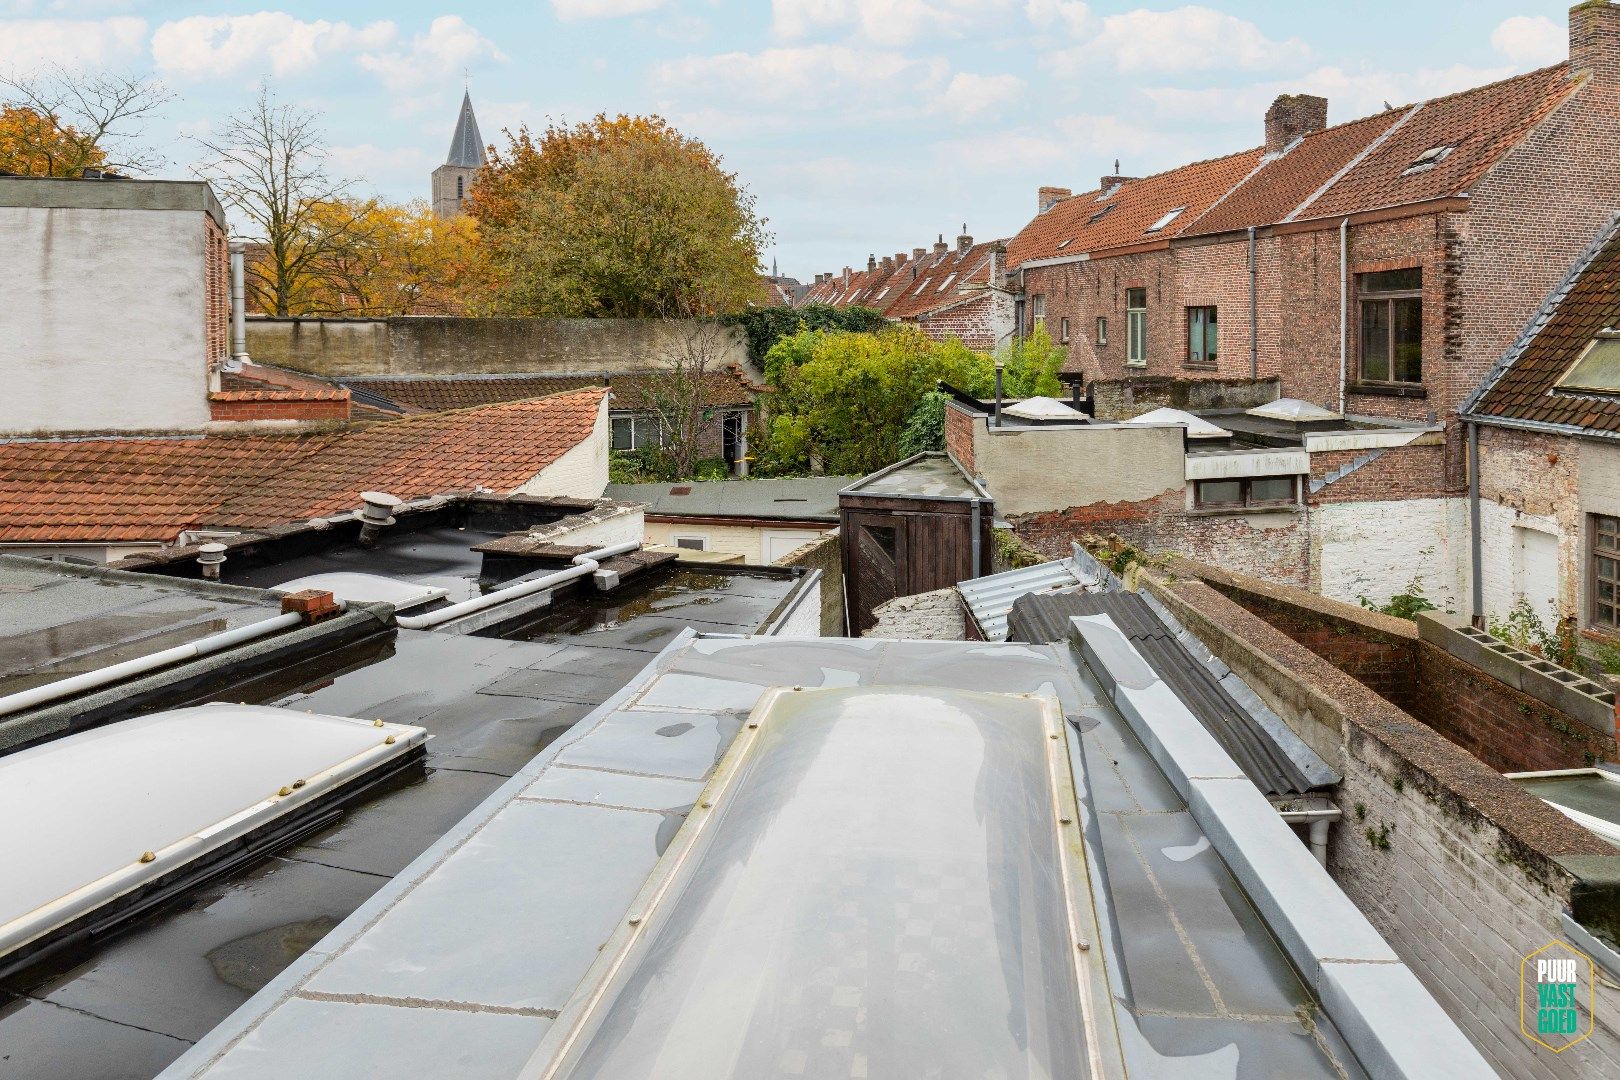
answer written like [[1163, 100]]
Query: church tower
[[452, 181]]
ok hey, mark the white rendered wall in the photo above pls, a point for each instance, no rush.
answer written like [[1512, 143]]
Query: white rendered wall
[[102, 317], [582, 472], [805, 620], [1376, 549]]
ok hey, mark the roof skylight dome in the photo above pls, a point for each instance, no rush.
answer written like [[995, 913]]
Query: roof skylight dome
[[1197, 427], [1042, 408], [1296, 410]]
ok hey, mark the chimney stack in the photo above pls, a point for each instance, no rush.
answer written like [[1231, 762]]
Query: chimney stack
[[899, 258], [1292, 116], [1594, 41], [1048, 197], [888, 263], [846, 277], [871, 262], [964, 241], [918, 253], [940, 246]]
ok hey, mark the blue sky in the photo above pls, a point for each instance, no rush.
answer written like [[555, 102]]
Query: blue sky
[[860, 125]]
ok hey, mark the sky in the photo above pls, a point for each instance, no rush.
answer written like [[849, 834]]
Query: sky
[[860, 126]]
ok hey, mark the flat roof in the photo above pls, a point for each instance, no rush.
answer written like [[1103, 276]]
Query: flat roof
[[930, 476], [128, 1006], [121, 193], [462, 963], [804, 498]]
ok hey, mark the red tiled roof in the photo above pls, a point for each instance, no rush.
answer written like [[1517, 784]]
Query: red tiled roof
[[150, 489], [433, 392], [255, 382], [1346, 169], [1090, 223], [939, 280], [1523, 386], [1481, 124]]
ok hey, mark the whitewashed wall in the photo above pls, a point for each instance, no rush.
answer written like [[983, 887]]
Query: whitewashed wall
[[581, 473], [1376, 549], [102, 319]]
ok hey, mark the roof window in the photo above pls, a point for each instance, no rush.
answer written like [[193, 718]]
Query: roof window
[[1597, 369], [1065, 243], [1427, 160], [1099, 215], [1167, 219], [948, 279]]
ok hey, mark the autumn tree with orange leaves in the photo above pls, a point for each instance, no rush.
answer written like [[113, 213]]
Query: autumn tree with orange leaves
[[618, 217], [64, 122]]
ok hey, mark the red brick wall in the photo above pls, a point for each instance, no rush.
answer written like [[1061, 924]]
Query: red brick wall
[[959, 436], [279, 410], [1508, 730], [217, 286], [1401, 472], [1274, 546], [982, 323]]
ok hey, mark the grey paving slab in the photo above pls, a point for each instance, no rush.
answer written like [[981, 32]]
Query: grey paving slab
[[687, 744], [699, 692], [345, 1041], [614, 789], [488, 928], [580, 687]]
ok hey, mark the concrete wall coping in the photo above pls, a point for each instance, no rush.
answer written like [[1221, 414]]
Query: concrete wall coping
[[1392, 1024], [58, 193], [1567, 691]]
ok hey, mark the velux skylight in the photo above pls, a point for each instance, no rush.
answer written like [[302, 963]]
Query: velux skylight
[[1597, 369], [1167, 219], [1427, 160], [1099, 215]]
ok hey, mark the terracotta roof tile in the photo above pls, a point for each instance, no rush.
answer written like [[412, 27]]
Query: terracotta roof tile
[[1090, 223], [1523, 386], [257, 382], [150, 489], [939, 280]]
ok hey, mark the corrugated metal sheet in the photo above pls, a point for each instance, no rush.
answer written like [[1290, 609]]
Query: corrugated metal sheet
[[989, 599], [1045, 617]]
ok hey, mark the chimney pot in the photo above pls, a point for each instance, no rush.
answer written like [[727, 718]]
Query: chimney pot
[[1291, 116], [1594, 41]]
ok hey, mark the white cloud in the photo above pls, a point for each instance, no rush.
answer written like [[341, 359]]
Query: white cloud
[[378, 165], [576, 10], [448, 46], [810, 77], [202, 47], [970, 95], [1531, 41], [883, 22], [1191, 38], [1070, 16], [33, 44]]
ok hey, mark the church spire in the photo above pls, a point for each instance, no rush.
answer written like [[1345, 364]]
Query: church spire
[[467, 145]]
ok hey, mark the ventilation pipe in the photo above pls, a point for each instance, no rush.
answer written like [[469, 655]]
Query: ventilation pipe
[[999, 365], [1475, 546], [1254, 311], [586, 565], [211, 557], [1344, 307], [239, 353], [376, 515]]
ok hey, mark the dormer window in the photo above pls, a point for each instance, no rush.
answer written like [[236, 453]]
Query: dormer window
[[1099, 215], [1597, 369], [1167, 219], [1427, 160]]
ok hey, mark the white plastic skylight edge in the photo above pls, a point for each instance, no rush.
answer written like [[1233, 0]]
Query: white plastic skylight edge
[[353, 587], [1196, 426], [174, 786]]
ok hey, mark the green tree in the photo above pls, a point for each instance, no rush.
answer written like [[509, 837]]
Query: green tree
[[1031, 366], [764, 327], [621, 217], [843, 400]]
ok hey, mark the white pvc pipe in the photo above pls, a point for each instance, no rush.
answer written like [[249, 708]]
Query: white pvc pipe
[[584, 566], [91, 680]]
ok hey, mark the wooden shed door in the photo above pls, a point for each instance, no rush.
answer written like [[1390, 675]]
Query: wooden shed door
[[880, 551]]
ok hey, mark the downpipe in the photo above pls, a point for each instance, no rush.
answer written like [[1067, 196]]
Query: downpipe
[[584, 566]]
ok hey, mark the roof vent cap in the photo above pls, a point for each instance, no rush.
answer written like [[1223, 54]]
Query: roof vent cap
[[211, 557], [376, 515]]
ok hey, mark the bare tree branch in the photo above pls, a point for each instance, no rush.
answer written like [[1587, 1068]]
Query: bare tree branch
[[678, 394], [90, 120]]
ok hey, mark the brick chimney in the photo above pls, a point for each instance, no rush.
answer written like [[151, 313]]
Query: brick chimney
[[871, 262], [1048, 197], [964, 241], [940, 246], [888, 263], [1108, 182], [1594, 41], [846, 277], [899, 258], [1291, 116], [918, 253]]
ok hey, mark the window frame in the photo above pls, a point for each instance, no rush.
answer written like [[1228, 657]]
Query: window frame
[[1136, 329], [1102, 330], [1037, 305], [1387, 299], [638, 441], [680, 541], [1246, 502], [1596, 550], [1207, 316], [1063, 331]]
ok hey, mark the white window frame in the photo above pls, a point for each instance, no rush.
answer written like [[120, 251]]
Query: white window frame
[[682, 541], [1136, 329], [638, 440]]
